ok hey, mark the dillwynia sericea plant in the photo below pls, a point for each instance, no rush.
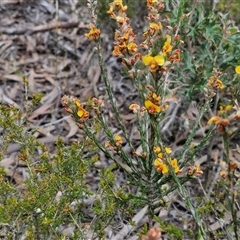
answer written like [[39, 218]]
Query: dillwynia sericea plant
[[152, 167]]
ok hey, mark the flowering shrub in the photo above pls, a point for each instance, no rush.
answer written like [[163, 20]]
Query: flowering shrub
[[168, 65], [150, 65]]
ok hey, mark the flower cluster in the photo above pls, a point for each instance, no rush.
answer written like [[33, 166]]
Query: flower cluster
[[137, 109], [153, 103], [195, 170], [214, 82], [162, 48], [124, 44], [97, 105], [75, 108], [219, 121], [94, 32], [81, 112], [163, 160], [223, 119], [226, 168], [155, 26], [115, 144]]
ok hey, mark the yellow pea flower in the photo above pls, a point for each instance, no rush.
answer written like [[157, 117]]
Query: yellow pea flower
[[155, 26], [81, 112], [237, 69], [160, 166], [168, 150], [163, 168], [118, 140], [119, 5], [153, 62], [93, 34], [157, 149], [151, 107], [167, 47], [132, 47], [215, 82], [174, 164], [218, 121]]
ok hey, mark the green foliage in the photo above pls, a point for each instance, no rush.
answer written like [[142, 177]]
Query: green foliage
[[210, 40], [230, 7], [54, 192], [174, 233]]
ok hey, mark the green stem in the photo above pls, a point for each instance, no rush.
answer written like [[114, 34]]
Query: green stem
[[230, 188], [193, 131], [184, 195], [122, 154], [110, 94]]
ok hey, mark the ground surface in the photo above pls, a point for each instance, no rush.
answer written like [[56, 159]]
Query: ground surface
[[45, 41]]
